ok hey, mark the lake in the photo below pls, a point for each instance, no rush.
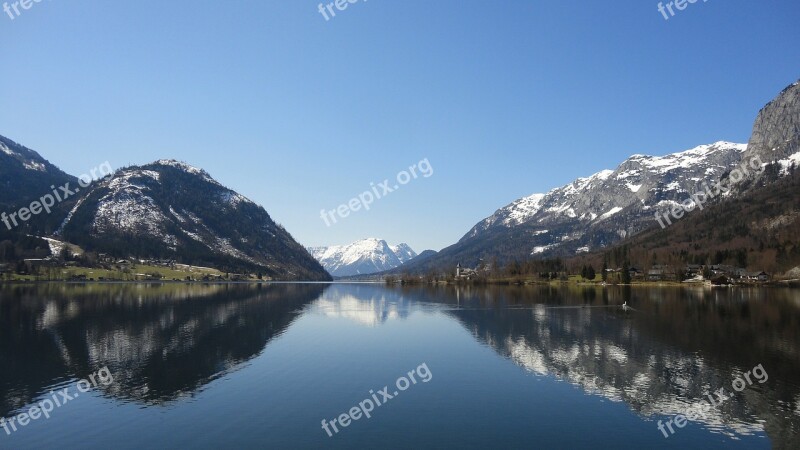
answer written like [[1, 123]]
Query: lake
[[262, 366]]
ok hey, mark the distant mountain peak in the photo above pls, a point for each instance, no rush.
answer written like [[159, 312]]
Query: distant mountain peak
[[182, 166], [404, 252], [362, 257]]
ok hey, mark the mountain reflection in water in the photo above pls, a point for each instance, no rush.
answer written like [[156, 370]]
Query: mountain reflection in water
[[160, 342], [167, 342]]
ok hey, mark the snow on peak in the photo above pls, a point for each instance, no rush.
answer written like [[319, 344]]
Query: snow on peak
[[404, 252], [685, 159], [179, 164], [582, 184], [602, 175], [362, 257], [188, 168]]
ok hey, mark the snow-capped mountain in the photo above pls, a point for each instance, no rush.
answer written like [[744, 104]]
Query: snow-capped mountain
[[617, 202], [362, 257], [595, 212], [592, 212], [641, 183], [404, 252], [170, 209]]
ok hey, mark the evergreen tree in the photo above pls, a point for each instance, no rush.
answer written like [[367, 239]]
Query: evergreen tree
[[626, 275]]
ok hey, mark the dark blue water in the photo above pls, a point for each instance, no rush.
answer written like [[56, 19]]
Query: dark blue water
[[242, 366]]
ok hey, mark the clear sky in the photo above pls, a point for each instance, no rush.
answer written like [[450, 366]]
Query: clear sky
[[504, 98]]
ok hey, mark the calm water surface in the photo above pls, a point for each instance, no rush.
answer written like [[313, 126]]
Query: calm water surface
[[245, 366]]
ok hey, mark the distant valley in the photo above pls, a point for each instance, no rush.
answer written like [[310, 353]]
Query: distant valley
[[168, 212]]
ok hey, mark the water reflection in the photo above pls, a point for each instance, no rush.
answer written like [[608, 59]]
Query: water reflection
[[661, 356], [365, 304], [161, 342]]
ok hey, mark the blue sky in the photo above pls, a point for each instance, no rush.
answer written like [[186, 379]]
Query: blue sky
[[504, 98]]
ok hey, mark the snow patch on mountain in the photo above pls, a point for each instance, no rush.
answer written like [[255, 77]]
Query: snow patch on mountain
[[4, 148], [130, 213], [234, 199], [611, 212], [788, 163], [542, 248], [28, 160], [633, 187], [33, 165]]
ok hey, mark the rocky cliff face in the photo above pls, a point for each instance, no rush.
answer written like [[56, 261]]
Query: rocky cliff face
[[775, 141], [776, 132]]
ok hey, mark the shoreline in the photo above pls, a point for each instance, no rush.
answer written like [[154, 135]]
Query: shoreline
[[20, 282], [795, 283]]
